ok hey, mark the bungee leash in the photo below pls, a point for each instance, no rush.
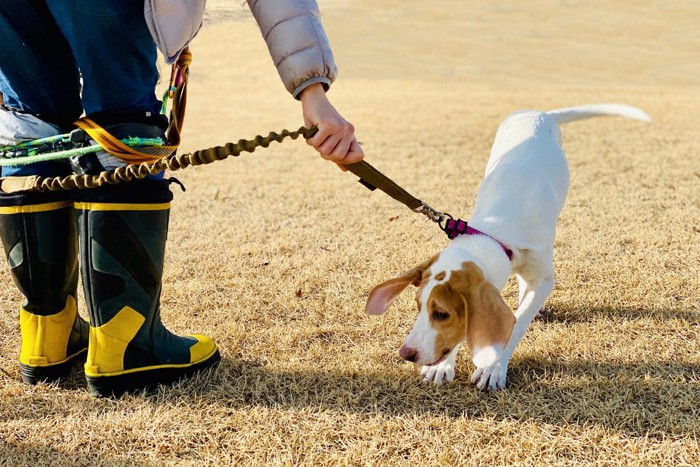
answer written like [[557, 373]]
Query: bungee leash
[[134, 171], [145, 157], [368, 176]]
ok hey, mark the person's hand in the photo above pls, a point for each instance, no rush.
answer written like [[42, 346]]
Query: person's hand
[[335, 139]]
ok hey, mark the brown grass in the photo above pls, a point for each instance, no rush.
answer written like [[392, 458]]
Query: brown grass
[[273, 254]]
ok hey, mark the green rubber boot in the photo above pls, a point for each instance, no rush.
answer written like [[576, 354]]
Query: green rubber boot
[[39, 237], [122, 232]]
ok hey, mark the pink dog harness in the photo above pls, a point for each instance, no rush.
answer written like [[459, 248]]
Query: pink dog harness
[[456, 227]]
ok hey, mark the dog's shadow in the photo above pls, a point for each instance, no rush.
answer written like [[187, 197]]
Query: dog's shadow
[[634, 400], [645, 398]]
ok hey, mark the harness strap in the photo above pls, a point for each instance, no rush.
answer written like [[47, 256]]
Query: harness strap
[[456, 227], [115, 147], [177, 92]]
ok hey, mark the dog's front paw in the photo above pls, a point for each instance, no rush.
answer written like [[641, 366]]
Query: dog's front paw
[[492, 378], [443, 372]]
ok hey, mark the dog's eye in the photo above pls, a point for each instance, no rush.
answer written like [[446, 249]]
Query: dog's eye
[[440, 315]]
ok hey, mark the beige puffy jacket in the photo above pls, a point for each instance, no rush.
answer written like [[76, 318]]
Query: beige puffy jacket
[[292, 30], [297, 42]]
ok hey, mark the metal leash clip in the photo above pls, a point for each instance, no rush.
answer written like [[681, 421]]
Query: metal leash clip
[[433, 214]]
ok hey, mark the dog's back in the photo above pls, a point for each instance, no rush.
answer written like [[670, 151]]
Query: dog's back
[[527, 176]]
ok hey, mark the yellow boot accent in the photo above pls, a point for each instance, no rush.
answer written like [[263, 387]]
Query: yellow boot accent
[[203, 349], [31, 208], [45, 338], [104, 369], [108, 342]]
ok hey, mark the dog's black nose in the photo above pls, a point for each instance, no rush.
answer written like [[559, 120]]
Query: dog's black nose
[[408, 354]]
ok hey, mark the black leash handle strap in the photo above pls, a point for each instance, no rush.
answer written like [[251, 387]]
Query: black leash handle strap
[[373, 179]]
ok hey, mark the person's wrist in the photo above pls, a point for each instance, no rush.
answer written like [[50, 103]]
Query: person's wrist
[[313, 91]]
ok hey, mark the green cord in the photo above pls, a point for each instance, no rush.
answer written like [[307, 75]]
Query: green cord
[[37, 142], [34, 158], [166, 95]]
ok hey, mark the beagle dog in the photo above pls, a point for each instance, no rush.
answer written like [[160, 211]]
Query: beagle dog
[[511, 231]]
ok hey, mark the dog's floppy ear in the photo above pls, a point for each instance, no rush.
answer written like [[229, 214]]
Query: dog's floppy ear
[[490, 323], [382, 296]]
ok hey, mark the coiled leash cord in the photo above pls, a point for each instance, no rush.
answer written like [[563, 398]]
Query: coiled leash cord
[[370, 177], [143, 160], [131, 172]]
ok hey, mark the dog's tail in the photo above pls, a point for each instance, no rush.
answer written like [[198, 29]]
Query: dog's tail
[[571, 114]]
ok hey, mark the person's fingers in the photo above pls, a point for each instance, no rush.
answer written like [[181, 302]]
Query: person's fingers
[[354, 154], [341, 149], [321, 135], [329, 146]]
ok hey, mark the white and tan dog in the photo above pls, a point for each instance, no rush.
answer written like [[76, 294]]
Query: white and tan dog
[[512, 230]]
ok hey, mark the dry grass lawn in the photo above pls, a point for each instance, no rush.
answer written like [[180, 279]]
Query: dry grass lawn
[[273, 254]]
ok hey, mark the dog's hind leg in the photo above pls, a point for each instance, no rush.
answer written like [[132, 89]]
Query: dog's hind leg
[[522, 287]]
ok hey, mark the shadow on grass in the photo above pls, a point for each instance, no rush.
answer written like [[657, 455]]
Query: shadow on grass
[[564, 314], [655, 398], [650, 398], [644, 398], [39, 454]]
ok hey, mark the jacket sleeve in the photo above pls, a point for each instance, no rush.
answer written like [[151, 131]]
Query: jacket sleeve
[[297, 42]]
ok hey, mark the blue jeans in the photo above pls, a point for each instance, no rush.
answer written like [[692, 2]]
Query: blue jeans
[[47, 45]]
